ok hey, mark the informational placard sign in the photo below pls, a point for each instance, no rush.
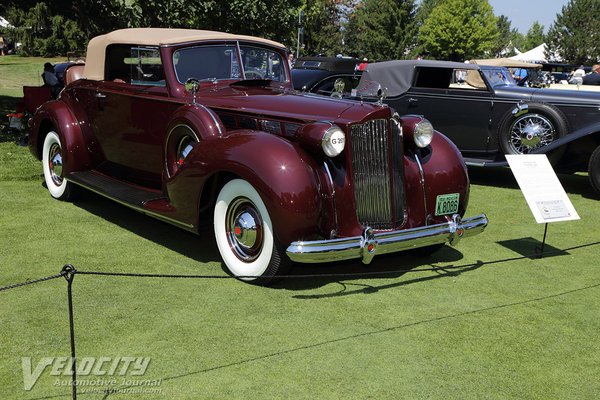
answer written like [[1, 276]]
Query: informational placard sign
[[543, 192]]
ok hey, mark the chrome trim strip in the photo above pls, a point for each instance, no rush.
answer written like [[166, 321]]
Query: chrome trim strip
[[321, 251], [422, 182], [139, 209], [332, 193]]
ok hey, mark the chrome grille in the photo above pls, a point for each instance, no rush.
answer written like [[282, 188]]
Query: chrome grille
[[377, 170]]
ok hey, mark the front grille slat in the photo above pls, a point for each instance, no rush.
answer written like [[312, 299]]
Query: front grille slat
[[378, 181]]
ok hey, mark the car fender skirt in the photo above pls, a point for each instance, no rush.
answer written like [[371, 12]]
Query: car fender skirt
[[370, 244]]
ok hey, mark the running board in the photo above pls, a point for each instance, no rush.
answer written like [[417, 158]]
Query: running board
[[113, 188], [143, 200]]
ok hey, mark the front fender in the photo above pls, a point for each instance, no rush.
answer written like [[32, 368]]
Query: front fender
[[443, 171], [586, 131], [283, 174], [56, 115]]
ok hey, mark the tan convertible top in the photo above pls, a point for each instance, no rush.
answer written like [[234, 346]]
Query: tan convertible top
[[96, 51]]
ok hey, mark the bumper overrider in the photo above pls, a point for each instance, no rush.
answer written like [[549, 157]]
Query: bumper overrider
[[366, 246]]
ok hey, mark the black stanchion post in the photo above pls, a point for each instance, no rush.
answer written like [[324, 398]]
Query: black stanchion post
[[544, 241], [69, 273]]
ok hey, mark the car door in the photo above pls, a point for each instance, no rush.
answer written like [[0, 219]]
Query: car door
[[129, 114], [457, 102]]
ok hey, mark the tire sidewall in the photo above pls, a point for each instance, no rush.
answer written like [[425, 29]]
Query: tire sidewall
[[56, 191], [244, 270], [555, 117], [594, 170]]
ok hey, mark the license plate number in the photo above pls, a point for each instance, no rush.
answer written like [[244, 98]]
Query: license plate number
[[446, 204]]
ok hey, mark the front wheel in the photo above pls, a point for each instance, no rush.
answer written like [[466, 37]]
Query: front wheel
[[244, 234], [594, 170], [541, 125], [52, 161]]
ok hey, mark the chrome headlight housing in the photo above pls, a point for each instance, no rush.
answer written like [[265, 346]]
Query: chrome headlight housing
[[423, 133], [334, 141]]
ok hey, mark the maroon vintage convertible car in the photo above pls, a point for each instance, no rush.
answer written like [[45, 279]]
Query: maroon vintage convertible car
[[194, 126]]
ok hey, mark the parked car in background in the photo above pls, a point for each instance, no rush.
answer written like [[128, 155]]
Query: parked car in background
[[483, 111], [195, 127], [319, 74]]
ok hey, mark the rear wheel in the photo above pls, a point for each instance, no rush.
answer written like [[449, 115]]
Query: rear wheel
[[52, 162], [594, 170], [244, 234]]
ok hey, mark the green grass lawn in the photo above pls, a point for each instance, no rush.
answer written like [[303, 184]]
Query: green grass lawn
[[494, 324]]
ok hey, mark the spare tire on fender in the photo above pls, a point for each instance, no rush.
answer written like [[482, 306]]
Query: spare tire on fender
[[534, 126]]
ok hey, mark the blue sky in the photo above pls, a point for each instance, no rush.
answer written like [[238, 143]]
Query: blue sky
[[522, 13]]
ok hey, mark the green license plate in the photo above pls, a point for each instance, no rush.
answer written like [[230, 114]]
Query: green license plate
[[446, 204]]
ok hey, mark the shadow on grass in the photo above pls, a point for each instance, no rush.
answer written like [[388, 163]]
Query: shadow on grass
[[201, 248], [503, 177], [531, 248]]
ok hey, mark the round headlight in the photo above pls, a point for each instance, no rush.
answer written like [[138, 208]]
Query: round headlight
[[423, 133], [333, 141]]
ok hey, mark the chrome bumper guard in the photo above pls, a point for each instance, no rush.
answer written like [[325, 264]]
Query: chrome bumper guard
[[366, 246]]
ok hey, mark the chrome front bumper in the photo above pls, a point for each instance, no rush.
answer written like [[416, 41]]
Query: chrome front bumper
[[366, 246]]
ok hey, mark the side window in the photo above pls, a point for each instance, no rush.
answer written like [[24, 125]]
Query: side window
[[260, 63], [145, 67], [445, 78], [134, 65]]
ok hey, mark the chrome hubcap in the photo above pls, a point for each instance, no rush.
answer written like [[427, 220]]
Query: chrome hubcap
[[244, 229], [56, 165], [530, 132]]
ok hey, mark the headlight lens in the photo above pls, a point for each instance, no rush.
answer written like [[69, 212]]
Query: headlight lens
[[423, 133], [333, 141]]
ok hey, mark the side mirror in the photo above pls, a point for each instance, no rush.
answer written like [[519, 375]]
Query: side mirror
[[192, 85]]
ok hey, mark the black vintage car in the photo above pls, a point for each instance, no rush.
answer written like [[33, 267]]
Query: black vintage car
[[484, 112], [319, 74]]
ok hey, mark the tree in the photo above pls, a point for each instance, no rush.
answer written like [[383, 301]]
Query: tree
[[503, 45], [534, 37], [574, 37], [323, 28], [458, 30], [382, 29]]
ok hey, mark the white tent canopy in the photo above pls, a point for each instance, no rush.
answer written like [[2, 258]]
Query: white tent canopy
[[4, 23], [535, 55]]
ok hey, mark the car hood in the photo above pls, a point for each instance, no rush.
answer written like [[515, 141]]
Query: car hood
[[286, 104], [548, 95]]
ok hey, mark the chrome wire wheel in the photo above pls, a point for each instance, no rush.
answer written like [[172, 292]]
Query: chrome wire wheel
[[244, 228], [530, 132]]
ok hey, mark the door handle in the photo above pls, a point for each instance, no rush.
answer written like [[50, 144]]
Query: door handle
[[100, 95], [412, 100]]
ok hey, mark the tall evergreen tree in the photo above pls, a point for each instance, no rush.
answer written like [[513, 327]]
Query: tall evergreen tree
[[459, 30], [503, 45], [323, 28], [534, 37], [574, 37], [382, 29]]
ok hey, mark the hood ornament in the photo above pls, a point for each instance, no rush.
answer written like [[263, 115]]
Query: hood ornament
[[381, 95]]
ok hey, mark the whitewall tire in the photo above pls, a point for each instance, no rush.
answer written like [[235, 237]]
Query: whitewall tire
[[244, 234], [52, 161]]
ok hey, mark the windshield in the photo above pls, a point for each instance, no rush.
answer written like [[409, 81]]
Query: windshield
[[221, 62], [498, 76]]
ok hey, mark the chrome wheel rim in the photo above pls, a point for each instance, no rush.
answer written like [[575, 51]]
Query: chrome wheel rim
[[244, 228], [55, 164], [530, 132]]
